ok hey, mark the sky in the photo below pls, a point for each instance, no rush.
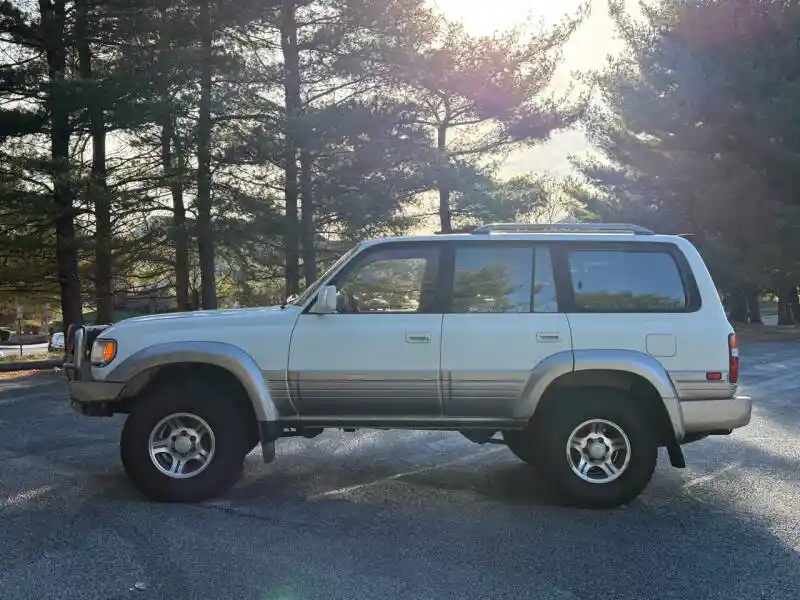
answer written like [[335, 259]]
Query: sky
[[587, 50]]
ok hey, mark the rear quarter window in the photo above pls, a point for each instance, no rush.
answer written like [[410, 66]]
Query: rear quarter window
[[619, 280]]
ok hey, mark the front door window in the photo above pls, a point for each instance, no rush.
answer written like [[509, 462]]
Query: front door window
[[398, 280]]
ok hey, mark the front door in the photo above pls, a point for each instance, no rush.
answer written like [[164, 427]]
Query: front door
[[379, 355]]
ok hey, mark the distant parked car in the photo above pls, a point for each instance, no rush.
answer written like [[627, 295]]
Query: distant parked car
[[57, 342]]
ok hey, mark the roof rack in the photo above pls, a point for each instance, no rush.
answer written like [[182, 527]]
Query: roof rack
[[562, 228]]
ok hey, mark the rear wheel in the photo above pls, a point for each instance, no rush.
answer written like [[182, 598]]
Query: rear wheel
[[599, 448], [185, 442]]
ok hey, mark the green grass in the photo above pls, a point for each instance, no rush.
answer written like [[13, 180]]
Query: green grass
[[15, 357]]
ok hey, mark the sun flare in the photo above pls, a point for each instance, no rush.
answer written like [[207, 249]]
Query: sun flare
[[586, 51], [483, 18]]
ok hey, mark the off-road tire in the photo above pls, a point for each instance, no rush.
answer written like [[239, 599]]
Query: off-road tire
[[575, 406], [208, 400], [521, 443]]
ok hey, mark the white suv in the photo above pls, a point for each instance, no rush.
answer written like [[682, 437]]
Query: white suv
[[585, 346]]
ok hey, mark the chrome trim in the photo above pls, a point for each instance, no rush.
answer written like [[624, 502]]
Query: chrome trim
[[693, 385], [79, 347], [708, 415], [75, 366], [219, 354]]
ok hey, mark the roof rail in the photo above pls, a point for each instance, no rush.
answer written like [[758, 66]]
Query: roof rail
[[562, 228]]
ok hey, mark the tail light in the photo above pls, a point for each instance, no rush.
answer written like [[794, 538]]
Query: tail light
[[733, 359]]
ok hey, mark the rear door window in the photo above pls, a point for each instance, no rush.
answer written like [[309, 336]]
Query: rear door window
[[494, 279], [503, 278]]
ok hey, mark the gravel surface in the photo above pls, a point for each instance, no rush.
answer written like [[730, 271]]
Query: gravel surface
[[398, 515]]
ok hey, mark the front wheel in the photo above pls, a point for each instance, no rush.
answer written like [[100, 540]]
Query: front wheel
[[521, 442], [185, 442], [600, 448]]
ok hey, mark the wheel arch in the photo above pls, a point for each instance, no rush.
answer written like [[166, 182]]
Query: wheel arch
[[635, 373], [217, 359]]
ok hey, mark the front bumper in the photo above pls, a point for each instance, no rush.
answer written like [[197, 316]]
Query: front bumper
[[87, 396], [94, 391], [702, 416]]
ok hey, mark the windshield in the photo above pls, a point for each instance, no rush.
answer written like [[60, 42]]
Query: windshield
[[312, 289]]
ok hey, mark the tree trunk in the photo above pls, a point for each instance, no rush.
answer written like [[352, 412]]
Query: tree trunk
[[445, 216], [205, 236], [53, 29], [794, 303], [737, 306], [754, 306], [785, 314], [174, 176], [178, 222], [97, 190], [307, 218], [291, 89]]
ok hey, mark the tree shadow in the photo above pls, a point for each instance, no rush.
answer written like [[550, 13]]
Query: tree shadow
[[485, 529], [502, 539]]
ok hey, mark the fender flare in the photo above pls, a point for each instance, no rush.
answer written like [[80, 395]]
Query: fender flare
[[226, 356], [625, 361]]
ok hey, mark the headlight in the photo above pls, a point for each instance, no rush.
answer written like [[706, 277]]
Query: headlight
[[103, 352]]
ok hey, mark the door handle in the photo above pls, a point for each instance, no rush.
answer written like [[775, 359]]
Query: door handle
[[548, 336], [418, 338]]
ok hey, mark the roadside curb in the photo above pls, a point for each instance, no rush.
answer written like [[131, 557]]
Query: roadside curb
[[31, 365]]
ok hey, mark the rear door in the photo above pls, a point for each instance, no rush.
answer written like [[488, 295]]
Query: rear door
[[639, 296], [502, 320]]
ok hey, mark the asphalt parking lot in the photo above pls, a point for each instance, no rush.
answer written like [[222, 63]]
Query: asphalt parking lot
[[398, 515]]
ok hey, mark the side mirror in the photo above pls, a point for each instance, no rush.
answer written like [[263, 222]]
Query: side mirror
[[326, 301]]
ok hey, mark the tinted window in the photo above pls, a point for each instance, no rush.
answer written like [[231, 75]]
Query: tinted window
[[615, 280], [492, 280], [390, 280]]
